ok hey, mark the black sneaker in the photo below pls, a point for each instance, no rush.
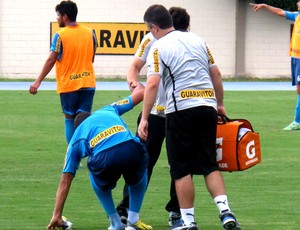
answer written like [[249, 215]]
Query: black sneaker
[[174, 218], [123, 215], [229, 221]]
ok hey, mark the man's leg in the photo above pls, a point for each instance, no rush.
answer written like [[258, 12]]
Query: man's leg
[[122, 207], [186, 194], [69, 127], [297, 110], [216, 187], [136, 194], [106, 200], [153, 145], [295, 72], [173, 206], [156, 136]]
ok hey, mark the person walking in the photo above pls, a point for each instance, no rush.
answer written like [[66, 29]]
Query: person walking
[[112, 151], [181, 21], [181, 61], [294, 53], [72, 52]]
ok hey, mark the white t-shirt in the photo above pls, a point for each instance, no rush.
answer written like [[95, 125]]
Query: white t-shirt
[[182, 60], [142, 53]]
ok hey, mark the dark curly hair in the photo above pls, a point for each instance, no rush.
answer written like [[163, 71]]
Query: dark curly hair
[[69, 8], [181, 19]]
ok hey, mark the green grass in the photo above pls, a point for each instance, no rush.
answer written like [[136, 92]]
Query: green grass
[[33, 147]]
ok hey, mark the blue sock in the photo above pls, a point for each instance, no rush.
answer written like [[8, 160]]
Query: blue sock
[[136, 194], [106, 200], [297, 111], [69, 129], [105, 197]]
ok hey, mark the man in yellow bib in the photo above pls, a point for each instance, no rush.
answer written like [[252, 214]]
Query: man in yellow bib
[[72, 52], [294, 53]]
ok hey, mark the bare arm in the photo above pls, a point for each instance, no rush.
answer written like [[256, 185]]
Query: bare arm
[[61, 196], [50, 62], [273, 10], [216, 79], [137, 93], [133, 74], [149, 99]]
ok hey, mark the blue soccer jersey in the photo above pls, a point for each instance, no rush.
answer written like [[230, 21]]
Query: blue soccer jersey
[[103, 129]]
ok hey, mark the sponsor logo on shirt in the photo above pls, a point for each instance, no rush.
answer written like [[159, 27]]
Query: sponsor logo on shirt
[[211, 58], [203, 93], [80, 75], [105, 134], [123, 102], [143, 46], [156, 62], [159, 108]]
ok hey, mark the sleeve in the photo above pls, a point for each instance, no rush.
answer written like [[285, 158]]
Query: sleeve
[[211, 60], [73, 157], [95, 40], [144, 47], [291, 15], [56, 45], [124, 105], [154, 62]]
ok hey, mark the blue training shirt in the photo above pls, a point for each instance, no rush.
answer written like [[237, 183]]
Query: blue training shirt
[[103, 129]]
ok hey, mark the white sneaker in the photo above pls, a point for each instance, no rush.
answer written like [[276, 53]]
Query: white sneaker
[[292, 127]]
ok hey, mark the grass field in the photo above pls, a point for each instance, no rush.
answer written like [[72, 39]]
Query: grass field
[[33, 146]]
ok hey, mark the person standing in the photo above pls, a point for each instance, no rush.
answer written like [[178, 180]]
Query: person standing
[[181, 61], [112, 151], [181, 21], [72, 52], [294, 53]]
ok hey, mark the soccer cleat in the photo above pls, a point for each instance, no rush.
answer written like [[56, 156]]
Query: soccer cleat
[[292, 127], [229, 221], [138, 226], [179, 225], [174, 218]]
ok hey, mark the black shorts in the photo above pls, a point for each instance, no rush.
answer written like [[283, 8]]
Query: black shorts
[[191, 141]]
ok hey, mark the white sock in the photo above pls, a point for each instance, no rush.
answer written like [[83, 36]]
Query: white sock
[[222, 203], [133, 217], [187, 215]]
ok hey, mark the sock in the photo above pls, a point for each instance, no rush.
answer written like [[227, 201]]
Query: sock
[[187, 215], [133, 217], [115, 221], [105, 198], [297, 111], [69, 129], [222, 203], [137, 193]]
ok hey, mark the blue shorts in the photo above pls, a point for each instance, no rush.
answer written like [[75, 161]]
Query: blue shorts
[[78, 101], [295, 66], [129, 159]]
